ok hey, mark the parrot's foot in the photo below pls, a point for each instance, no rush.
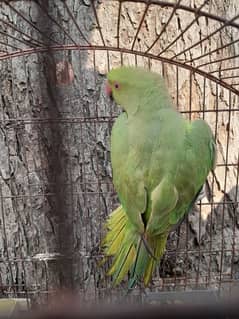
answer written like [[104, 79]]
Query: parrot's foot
[[147, 247], [131, 290]]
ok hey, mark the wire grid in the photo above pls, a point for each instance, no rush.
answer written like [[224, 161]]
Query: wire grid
[[66, 192]]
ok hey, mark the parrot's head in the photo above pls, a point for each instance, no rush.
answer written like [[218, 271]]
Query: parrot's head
[[131, 87]]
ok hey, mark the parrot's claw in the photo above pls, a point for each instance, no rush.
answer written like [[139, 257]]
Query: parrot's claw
[[147, 247]]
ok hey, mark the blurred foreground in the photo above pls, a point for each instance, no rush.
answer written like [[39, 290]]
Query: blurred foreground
[[186, 305]]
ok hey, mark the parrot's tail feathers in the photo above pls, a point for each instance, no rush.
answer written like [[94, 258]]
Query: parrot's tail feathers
[[115, 226], [148, 254], [158, 244], [133, 253], [139, 264], [148, 248], [124, 263], [120, 242]]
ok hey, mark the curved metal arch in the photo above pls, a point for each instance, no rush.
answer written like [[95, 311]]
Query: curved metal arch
[[123, 50], [214, 75]]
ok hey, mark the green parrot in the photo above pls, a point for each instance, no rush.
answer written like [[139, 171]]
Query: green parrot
[[160, 162]]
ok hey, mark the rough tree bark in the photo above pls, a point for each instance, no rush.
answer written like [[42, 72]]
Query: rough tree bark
[[55, 173]]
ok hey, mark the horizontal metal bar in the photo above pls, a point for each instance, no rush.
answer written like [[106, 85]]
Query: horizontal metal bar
[[168, 252]]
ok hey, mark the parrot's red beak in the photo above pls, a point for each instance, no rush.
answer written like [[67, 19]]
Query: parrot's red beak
[[108, 89]]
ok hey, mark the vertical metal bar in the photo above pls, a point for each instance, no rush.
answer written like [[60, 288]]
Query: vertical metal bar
[[45, 9], [140, 25], [83, 187], [224, 189], [44, 187], [97, 22], [75, 22], [190, 95], [149, 64], [163, 69], [96, 158], [21, 254], [213, 187], [204, 98], [14, 199], [177, 88], [30, 23], [109, 128], [71, 133], [200, 215], [187, 220], [135, 60], [3, 218], [6, 241], [118, 24], [121, 58], [165, 25], [30, 197], [182, 32], [177, 232], [199, 246], [235, 206], [83, 175], [45, 267]]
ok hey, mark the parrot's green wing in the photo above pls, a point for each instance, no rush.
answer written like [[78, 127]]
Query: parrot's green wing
[[200, 158], [180, 193]]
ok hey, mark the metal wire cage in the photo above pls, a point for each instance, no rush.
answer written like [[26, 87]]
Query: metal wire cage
[[55, 181]]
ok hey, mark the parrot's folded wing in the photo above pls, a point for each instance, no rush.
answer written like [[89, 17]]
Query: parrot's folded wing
[[164, 199]]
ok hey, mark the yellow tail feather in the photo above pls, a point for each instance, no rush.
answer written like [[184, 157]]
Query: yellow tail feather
[[122, 242]]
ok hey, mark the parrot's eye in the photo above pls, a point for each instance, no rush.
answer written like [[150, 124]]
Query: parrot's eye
[[116, 85]]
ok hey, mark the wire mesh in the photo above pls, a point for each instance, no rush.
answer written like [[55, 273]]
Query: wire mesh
[[55, 184]]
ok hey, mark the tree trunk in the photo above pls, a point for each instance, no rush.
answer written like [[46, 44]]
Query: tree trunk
[[55, 172]]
